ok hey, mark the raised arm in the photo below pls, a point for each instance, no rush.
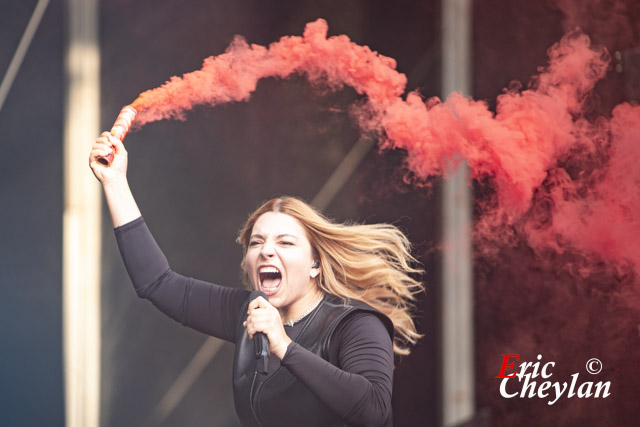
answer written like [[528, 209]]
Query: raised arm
[[203, 306], [122, 206]]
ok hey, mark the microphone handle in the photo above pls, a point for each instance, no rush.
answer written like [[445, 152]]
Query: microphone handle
[[261, 343]]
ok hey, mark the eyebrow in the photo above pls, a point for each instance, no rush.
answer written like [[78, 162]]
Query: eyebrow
[[260, 236]]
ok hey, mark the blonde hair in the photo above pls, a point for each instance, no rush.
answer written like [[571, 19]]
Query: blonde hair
[[370, 263]]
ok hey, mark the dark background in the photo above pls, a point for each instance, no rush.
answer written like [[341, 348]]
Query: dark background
[[196, 181]]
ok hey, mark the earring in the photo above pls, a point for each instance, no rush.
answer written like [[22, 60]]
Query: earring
[[315, 271]]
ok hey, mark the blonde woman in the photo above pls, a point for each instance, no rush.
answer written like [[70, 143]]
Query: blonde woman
[[334, 307]]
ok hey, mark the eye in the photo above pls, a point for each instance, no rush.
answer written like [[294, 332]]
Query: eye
[[254, 243], [286, 243]]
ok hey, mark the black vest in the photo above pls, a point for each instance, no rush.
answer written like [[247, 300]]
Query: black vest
[[281, 400]]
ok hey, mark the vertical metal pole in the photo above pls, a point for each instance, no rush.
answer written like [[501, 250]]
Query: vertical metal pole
[[457, 287], [81, 219]]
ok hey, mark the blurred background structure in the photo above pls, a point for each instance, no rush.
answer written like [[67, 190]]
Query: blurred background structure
[[69, 66]]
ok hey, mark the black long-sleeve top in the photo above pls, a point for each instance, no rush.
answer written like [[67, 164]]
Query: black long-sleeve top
[[357, 388]]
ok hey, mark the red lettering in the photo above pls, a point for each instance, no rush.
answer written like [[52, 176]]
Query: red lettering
[[506, 364]]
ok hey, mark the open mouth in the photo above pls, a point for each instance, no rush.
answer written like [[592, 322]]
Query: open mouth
[[270, 278]]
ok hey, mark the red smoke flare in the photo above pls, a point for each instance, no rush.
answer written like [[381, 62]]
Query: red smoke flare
[[521, 150]]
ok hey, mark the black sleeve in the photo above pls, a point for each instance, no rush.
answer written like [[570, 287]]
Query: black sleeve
[[359, 388], [203, 306]]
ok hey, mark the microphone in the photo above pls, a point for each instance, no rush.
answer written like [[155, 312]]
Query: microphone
[[260, 341]]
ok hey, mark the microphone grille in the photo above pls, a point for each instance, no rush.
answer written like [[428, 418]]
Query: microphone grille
[[255, 294]]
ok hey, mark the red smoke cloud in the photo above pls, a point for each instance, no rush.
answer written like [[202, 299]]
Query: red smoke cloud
[[556, 178], [234, 75]]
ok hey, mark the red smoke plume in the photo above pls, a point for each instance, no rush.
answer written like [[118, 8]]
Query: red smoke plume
[[556, 178], [233, 75]]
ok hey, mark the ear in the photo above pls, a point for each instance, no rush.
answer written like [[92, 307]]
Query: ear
[[315, 269]]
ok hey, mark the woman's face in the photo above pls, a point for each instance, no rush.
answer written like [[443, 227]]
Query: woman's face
[[279, 262]]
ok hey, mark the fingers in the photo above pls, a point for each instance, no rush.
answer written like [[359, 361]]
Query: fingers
[[262, 317], [102, 147], [109, 141], [116, 143], [265, 318], [106, 138], [258, 320], [258, 302], [101, 150], [108, 147]]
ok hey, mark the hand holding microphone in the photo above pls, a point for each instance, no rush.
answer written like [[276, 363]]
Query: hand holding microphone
[[264, 326], [260, 340]]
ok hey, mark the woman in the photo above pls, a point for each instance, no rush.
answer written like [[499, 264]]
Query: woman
[[336, 305]]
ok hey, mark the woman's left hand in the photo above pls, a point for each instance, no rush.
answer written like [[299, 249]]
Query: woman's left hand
[[265, 318]]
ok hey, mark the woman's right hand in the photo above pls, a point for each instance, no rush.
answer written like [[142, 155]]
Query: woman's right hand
[[122, 205], [117, 170]]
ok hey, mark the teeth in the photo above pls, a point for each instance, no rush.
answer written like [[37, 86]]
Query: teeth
[[269, 270]]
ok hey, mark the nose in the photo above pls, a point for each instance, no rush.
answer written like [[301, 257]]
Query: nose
[[268, 249]]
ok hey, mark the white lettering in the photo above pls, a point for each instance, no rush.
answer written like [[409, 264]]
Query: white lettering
[[559, 392], [587, 392], [536, 366], [503, 389], [545, 385], [599, 387], [523, 369], [574, 378], [531, 386], [544, 369], [551, 390]]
